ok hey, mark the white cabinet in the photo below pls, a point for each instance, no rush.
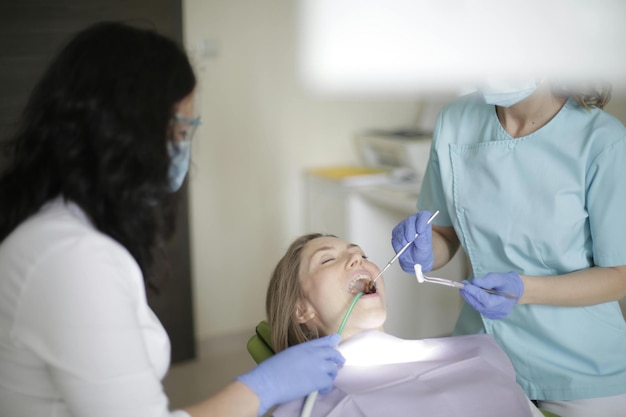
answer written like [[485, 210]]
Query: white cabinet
[[365, 215]]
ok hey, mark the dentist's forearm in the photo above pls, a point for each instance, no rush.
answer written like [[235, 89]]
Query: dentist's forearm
[[580, 288], [445, 245], [235, 400]]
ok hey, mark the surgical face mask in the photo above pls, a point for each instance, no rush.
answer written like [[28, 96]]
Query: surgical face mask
[[508, 93], [180, 154]]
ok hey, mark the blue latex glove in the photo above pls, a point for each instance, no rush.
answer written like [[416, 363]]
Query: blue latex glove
[[295, 372], [421, 251], [493, 306]]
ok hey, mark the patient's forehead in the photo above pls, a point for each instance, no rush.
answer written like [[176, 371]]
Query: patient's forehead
[[314, 249], [324, 243]]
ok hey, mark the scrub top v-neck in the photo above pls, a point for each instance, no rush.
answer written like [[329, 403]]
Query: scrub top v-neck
[[544, 204]]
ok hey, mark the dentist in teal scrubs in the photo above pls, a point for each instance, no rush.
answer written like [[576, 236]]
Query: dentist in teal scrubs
[[531, 181]]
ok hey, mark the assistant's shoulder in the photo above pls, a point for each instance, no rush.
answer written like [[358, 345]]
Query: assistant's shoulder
[[57, 263], [61, 236], [59, 222]]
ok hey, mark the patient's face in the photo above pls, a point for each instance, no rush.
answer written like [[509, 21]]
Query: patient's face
[[332, 272]]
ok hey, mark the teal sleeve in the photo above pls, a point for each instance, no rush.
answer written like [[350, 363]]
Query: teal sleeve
[[606, 205], [431, 196]]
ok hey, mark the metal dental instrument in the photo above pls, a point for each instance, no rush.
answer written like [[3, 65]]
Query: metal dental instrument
[[401, 251], [451, 283]]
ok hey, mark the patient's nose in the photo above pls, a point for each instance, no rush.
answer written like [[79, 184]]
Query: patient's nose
[[355, 259]]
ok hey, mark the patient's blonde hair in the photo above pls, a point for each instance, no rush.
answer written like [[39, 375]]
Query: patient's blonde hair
[[282, 295]]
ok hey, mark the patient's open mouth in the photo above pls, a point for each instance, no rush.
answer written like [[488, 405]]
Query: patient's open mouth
[[362, 283]]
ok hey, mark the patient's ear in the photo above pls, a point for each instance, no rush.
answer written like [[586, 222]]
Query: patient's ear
[[304, 312]]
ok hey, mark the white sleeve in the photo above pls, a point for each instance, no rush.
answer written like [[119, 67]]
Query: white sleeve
[[80, 313]]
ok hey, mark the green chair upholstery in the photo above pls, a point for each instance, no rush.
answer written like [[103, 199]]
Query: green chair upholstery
[[260, 348], [260, 344]]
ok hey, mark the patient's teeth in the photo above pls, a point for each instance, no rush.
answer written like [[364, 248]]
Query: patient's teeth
[[362, 283]]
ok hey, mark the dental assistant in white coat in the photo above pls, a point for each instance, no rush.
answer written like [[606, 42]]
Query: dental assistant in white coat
[[87, 203], [530, 182]]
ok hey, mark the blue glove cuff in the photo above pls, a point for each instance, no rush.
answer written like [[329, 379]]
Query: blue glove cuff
[[257, 384], [493, 306]]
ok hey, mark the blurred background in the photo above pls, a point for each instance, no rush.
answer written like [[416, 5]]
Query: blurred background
[[285, 89], [270, 112]]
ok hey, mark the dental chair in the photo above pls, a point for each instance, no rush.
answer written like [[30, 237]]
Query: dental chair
[[260, 344], [260, 348]]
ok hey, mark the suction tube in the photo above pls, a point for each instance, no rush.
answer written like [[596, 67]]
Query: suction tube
[[307, 408]]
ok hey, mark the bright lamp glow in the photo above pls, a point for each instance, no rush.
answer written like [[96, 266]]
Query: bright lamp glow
[[371, 348]]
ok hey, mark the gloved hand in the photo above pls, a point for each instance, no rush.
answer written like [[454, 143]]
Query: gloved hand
[[493, 306], [421, 251], [295, 372]]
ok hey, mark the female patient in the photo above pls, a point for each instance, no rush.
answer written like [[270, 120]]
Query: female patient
[[312, 288]]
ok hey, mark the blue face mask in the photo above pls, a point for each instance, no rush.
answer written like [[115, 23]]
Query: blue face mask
[[180, 154], [507, 94]]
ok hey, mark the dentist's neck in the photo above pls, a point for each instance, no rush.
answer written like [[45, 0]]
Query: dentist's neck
[[532, 113]]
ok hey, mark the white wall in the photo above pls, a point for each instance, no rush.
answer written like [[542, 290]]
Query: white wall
[[260, 131]]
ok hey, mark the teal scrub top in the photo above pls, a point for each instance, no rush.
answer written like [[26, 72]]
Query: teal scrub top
[[545, 204]]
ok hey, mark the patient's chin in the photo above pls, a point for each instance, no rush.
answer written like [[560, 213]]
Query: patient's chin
[[370, 320]]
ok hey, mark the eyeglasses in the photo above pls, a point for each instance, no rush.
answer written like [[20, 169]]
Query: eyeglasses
[[184, 128]]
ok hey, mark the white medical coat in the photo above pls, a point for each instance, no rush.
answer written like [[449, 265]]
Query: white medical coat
[[77, 337]]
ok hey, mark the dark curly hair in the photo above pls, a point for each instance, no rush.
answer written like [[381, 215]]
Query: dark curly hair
[[95, 132]]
